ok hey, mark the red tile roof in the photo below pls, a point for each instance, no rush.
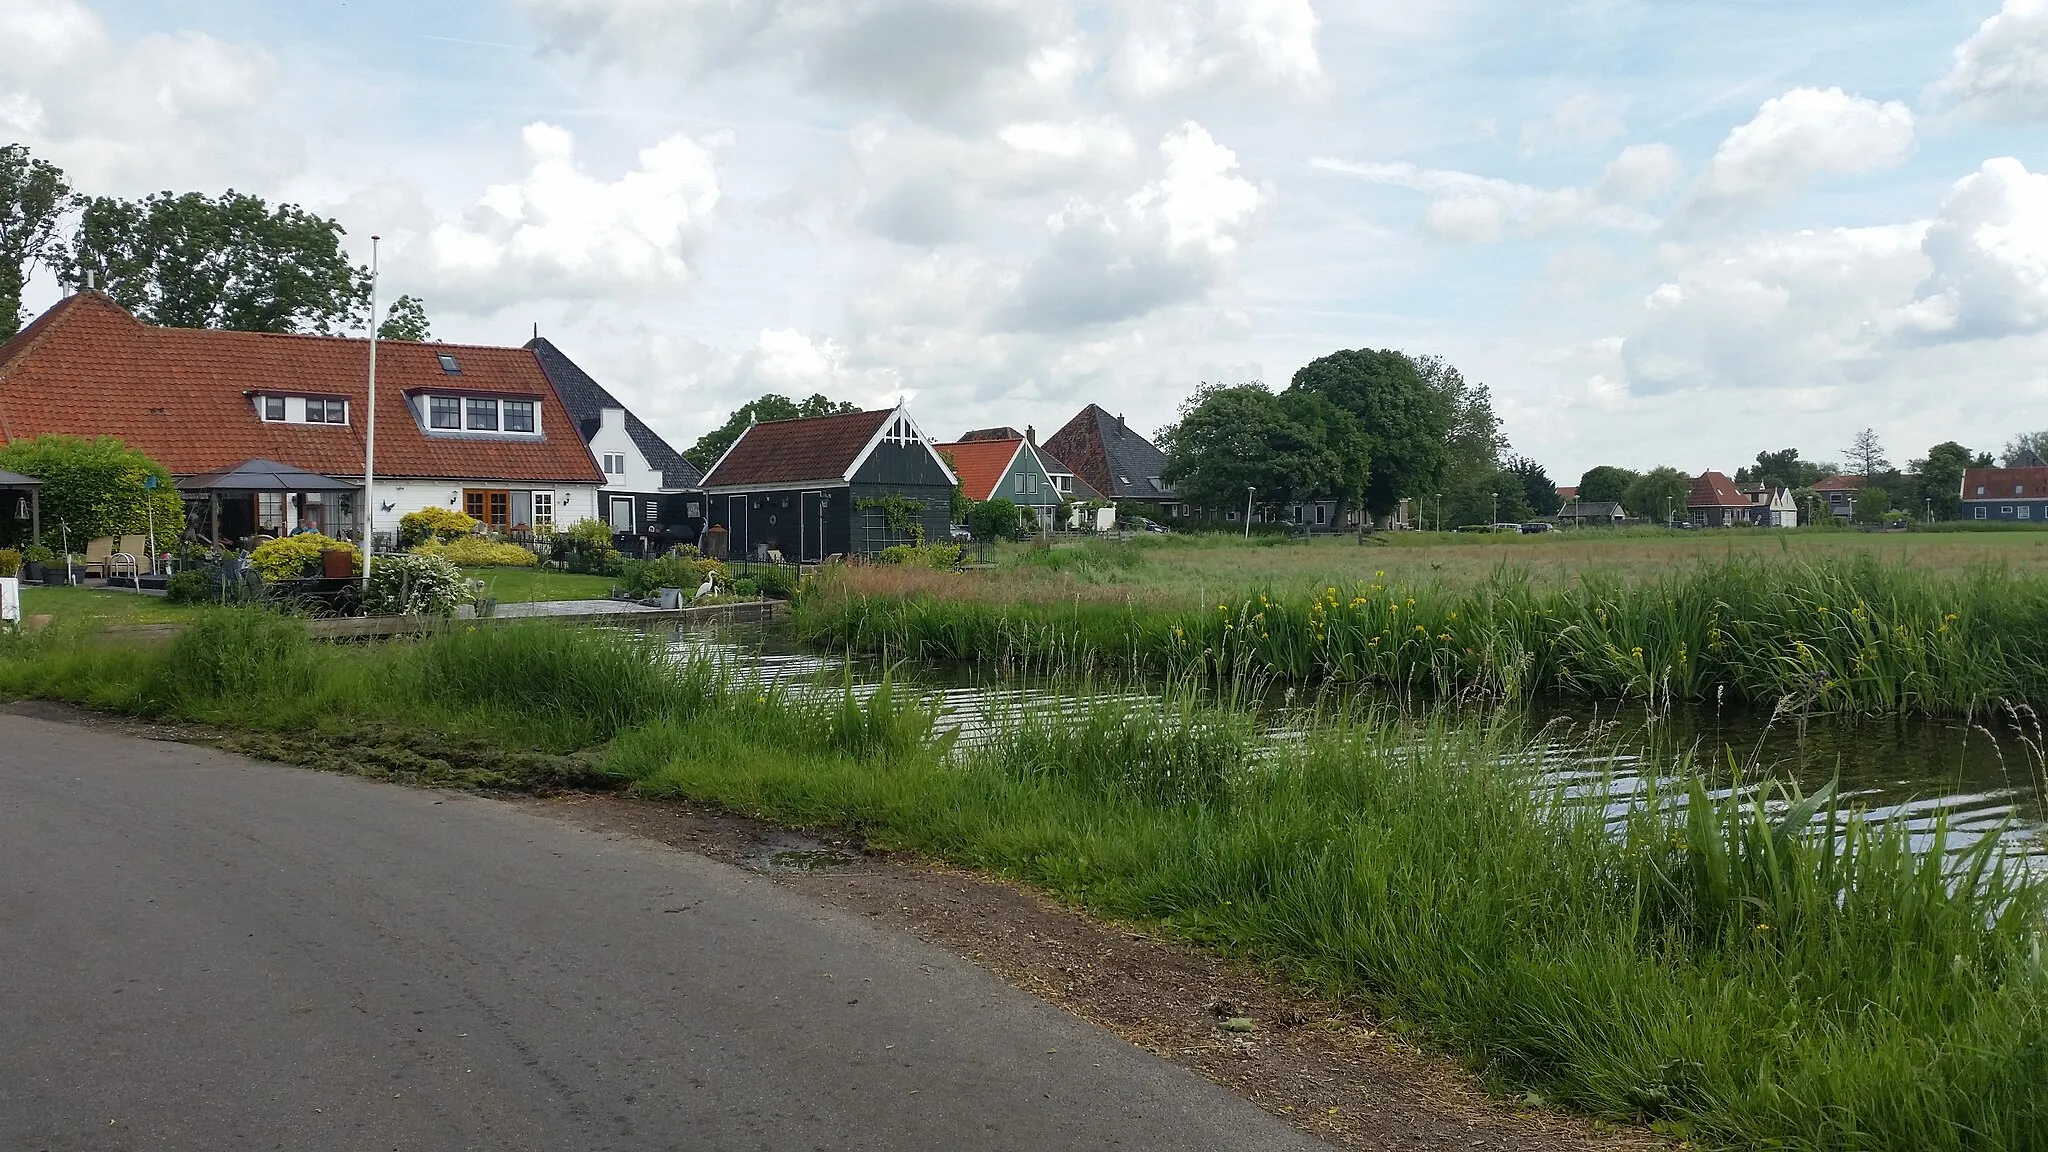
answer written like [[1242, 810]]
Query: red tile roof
[[1838, 483], [821, 448], [88, 368], [1714, 490], [2000, 483], [981, 464]]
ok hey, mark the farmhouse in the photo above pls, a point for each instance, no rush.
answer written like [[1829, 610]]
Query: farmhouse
[[1840, 493], [458, 426], [850, 484], [649, 496], [1115, 461], [1714, 503], [1012, 468], [2016, 494]]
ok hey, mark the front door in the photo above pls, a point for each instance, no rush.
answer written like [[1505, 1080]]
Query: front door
[[621, 518], [812, 515], [736, 523], [491, 507]]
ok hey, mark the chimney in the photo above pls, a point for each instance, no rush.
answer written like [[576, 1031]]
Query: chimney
[[1031, 435], [1119, 425]]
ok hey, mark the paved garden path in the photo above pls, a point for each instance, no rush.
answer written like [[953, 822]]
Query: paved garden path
[[202, 951]]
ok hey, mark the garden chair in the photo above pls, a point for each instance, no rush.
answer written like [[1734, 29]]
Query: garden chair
[[136, 546], [97, 553]]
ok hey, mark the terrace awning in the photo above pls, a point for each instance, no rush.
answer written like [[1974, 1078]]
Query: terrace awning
[[16, 482], [265, 476]]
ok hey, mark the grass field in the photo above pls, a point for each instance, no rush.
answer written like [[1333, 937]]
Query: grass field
[[1838, 622], [523, 585], [66, 605], [1741, 974]]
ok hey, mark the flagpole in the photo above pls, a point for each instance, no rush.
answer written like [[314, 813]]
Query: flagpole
[[370, 433]]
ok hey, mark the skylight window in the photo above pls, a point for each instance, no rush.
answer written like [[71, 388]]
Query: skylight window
[[449, 364]]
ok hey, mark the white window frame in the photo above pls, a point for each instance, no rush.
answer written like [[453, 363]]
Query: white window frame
[[493, 405], [532, 416], [1983, 513], [2026, 512], [543, 510]]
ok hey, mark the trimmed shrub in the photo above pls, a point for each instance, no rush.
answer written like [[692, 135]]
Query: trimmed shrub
[[940, 556], [433, 524], [996, 519], [586, 546], [478, 552], [10, 562], [95, 487], [415, 586], [296, 557], [192, 586]]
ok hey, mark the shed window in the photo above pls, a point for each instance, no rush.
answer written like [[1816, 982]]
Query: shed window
[[444, 412], [483, 415]]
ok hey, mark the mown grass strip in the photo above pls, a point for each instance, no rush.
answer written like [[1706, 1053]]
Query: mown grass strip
[[1747, 973]]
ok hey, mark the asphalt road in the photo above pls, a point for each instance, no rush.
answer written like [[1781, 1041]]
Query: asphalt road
[[201, 951]]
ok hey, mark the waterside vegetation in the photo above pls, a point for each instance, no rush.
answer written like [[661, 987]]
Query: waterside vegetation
[[1850, 634], [1741, 966]]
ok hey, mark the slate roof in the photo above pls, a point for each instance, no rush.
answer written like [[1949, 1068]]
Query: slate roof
[[1714, 490], [586, 398], [1838, 483], [1003, 433], [1591, 510], [981, 464], [820, 449], [1112, 458], [1999, 483], [88, 368]]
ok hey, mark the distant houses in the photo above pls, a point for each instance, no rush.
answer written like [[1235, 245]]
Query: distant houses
[[1010, 467], [2019, 495], [798, 491], [1840, 494], [650, 492], [1114, 460]]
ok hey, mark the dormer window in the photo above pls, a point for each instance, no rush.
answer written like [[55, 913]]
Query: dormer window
[[449, 364], [518, 415], [482, 415], [486, 415], [274, 409], [444, 412]]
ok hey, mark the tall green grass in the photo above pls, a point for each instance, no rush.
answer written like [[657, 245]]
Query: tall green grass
[[1739, 964], [1837, 636]]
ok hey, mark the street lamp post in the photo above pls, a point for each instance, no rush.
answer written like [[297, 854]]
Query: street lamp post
[[1496, 512], [370, 433], [1249, 489], [1439, 511]]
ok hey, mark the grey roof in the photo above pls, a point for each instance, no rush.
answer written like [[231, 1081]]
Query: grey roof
[[1586, 509], [265, 476], [17, 480], [1132, 465], [586, 399]]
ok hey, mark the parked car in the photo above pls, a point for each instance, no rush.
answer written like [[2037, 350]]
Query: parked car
[[1508, 528], [1537, 526], [960, 534]]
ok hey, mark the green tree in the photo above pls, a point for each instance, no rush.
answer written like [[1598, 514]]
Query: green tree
[[193, 261], [1539, 493], [1939, 479], [1231, 437], [1658, 494], [1871, 505], [33, 199], [1865, 454], [1783, 469], [406, 319], [2026, 450], [1607, 483], [95, 488], [710, 446], [1404, 419], [996, 519]]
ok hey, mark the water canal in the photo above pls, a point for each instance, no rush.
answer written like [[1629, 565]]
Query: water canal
[[1983, 778]]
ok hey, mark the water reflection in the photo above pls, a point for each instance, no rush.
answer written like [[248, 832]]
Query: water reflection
[[1983, 780]]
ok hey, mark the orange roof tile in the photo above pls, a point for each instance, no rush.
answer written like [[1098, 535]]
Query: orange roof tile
[[795, 451], [1714, 490], [88, 368], [981, 464]]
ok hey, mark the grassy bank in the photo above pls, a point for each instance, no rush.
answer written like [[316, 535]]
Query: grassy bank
[[1846, 636], [1718, 967]]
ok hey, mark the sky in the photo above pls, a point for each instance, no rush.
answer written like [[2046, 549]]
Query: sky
[[1661, 233]]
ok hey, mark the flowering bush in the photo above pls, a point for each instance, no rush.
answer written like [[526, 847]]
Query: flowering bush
[[415, 586], [477, 552], [433, 524], [296, 557]]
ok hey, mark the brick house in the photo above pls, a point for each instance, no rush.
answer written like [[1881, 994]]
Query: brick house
[[1714, 502], [458, 426]]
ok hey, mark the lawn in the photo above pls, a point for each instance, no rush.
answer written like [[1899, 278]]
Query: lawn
[[71, 604], [524, 585]]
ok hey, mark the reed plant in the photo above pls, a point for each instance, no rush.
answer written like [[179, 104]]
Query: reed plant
[[1852, 635]]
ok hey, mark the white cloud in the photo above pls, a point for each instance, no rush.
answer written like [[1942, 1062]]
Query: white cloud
[[1172, 45], [170, 109], [1988, 248], [1166, 243], [1582, 121], [561, 233], [1484, 209], [2001, 72], [1804, 133]]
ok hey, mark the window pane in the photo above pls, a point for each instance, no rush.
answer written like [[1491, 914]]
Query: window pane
[[337, 411], [444, 412], [518, 415], [501, 510], [543, 510], [473, 505], [483, 415], [273, 407]]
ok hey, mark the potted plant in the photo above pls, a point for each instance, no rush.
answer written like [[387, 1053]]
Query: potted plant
[[33, 559]]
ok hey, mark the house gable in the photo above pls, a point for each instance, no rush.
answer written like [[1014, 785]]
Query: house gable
[[588, 402]]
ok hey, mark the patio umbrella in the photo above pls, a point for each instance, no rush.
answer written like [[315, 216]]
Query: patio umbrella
[[260, 476]]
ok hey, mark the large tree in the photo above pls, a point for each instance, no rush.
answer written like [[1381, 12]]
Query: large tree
[[1606, 483], [2026, 450], [33, 199], [1236, 437], [710, 446], [406, 319], [1537, 489], [1783, 469], [1865, 454], [1658, 494], [1404, 423], [232, 261], [1938, 479]]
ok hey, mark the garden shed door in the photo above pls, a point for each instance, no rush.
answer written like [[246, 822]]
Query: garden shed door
[[812, 520]]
